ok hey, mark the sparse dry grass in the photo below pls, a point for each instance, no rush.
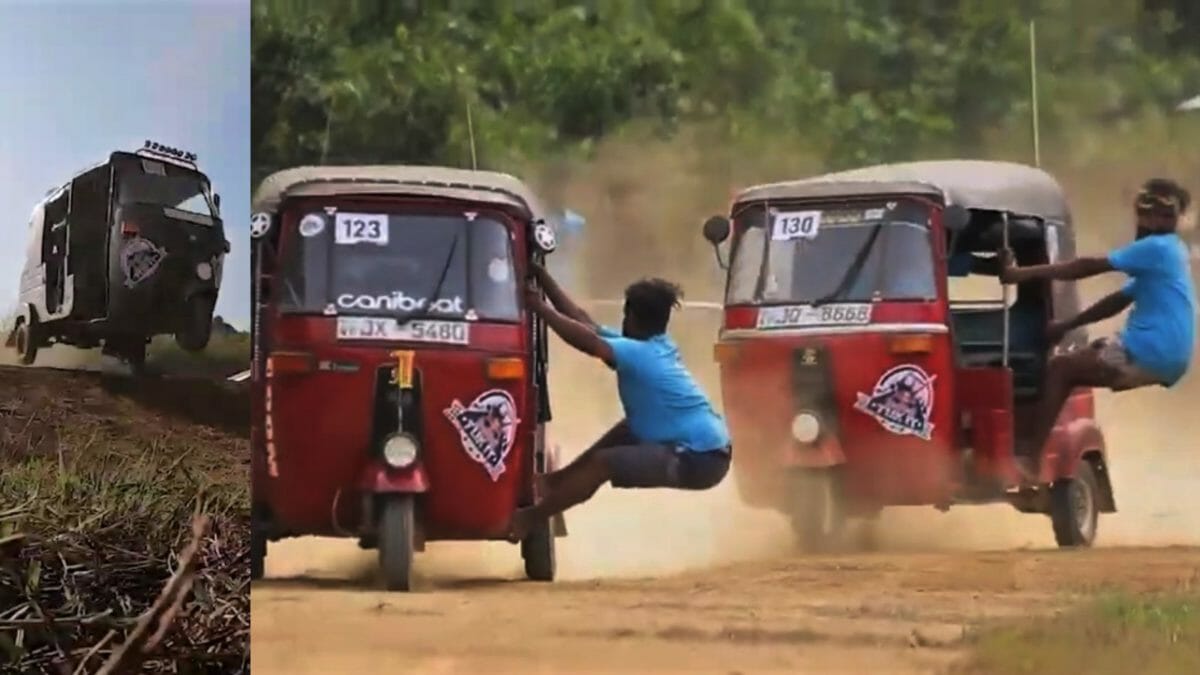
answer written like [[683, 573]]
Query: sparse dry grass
[[100, 482], [1116, 634]]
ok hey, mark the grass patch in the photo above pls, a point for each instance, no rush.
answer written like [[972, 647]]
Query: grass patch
[[1116, 634], [225, 355], [98, 491]]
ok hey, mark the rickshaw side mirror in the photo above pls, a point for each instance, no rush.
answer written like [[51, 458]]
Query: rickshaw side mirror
[[955, 217], [217, 201], [716, 230], [228, 246]]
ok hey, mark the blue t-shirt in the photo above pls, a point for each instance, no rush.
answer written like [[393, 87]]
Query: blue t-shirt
[[1160, 333], [662, 402]]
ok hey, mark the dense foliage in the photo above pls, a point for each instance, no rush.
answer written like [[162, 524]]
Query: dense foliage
[[855, 80]]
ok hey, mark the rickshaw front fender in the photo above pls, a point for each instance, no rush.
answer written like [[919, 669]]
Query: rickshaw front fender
[[378, 478]]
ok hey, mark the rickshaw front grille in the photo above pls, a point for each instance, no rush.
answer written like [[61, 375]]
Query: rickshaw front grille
[[811, 382]]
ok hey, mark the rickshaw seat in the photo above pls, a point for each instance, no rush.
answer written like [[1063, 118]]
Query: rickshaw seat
[[979, 336]]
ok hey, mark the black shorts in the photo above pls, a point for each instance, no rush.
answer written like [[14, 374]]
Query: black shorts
[[634, 464]]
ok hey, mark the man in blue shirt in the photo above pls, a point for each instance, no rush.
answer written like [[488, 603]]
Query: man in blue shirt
[[671, 437], [1156, 345]]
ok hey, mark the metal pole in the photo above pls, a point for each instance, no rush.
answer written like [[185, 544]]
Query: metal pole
[[1005, 290], [471, 134], [1037, 144]]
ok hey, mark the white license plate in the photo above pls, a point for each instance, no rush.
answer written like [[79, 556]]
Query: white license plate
[[370, 328], [800, 316]]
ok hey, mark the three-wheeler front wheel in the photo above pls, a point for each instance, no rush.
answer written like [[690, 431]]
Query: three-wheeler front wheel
[[816, 508], [396, 543]]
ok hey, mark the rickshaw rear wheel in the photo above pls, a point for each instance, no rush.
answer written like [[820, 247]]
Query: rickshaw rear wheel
[[537, 550], [816, 508], [27, 338], [396, 528], [1074, 508], [194, 334]]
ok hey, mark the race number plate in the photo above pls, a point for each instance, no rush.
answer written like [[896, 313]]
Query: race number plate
[[369, 328], [354, 228], [803, 316], [790, 225]]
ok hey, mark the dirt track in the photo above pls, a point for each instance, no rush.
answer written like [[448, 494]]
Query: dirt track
[[893, 613], [654, 581]]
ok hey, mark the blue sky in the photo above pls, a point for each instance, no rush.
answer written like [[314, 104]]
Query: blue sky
[[81, 78]]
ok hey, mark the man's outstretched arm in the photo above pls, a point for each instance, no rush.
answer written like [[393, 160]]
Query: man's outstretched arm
[[1104, 308], [559, 298], [1069, 270], [579, 335]]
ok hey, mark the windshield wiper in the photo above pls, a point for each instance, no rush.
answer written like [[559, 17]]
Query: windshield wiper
[[437, 290], [856, 267]]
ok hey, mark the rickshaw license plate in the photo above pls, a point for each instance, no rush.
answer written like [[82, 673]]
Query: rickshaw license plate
[[369, 328], [798, 316]]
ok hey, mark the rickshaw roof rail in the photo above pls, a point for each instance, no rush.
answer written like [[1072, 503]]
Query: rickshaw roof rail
[[973, 184], [434, 181]]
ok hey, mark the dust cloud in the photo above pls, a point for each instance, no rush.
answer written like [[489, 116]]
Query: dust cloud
[[644, 202]]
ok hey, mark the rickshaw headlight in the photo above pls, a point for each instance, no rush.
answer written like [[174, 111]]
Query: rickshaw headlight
[[400, 450], [806, 427], [204, 271]]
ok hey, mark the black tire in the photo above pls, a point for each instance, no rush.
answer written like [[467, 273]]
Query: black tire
[[396, 528], [194, 334], [1075, 508], [134, 353], [816, 509], [537, 550], [27, 339], [258, 555]]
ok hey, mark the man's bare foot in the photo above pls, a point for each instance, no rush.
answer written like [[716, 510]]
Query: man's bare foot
[[519, 526]]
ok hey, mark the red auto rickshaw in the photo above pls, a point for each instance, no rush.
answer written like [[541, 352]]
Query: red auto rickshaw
[[400, 389], [856, 376]]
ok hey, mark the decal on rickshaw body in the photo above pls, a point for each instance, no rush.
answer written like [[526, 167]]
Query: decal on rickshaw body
[[804, 316], [902, 401], [311, 225], [487, 427], [371, 328], [140, 259], [260, 224]]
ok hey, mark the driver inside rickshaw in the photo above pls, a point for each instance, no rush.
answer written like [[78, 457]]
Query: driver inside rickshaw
[[1156, 345], [671, 436]]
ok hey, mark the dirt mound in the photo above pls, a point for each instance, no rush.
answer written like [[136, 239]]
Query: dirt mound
[[100, 476]]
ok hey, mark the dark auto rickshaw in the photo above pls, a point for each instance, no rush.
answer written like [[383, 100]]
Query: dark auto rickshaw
[[124, 251], [399, 385]]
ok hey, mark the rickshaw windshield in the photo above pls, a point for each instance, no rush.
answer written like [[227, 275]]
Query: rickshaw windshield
[[808, 254], [167, 185], [400, 265]]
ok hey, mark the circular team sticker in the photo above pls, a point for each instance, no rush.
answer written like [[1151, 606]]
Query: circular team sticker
[[498, 270], [260, 224], [311, 225]]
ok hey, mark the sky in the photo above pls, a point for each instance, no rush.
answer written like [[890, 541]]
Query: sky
[[82, 78]]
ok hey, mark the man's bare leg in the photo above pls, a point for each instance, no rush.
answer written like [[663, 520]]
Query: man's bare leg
[[571, 486], [1065, 372]]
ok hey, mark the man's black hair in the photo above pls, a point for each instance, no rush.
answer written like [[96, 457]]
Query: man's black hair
[[1167, 188], [649, 302]]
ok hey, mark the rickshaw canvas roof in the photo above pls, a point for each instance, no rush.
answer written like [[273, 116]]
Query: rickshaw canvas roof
[[433, 181], [973, 184]]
